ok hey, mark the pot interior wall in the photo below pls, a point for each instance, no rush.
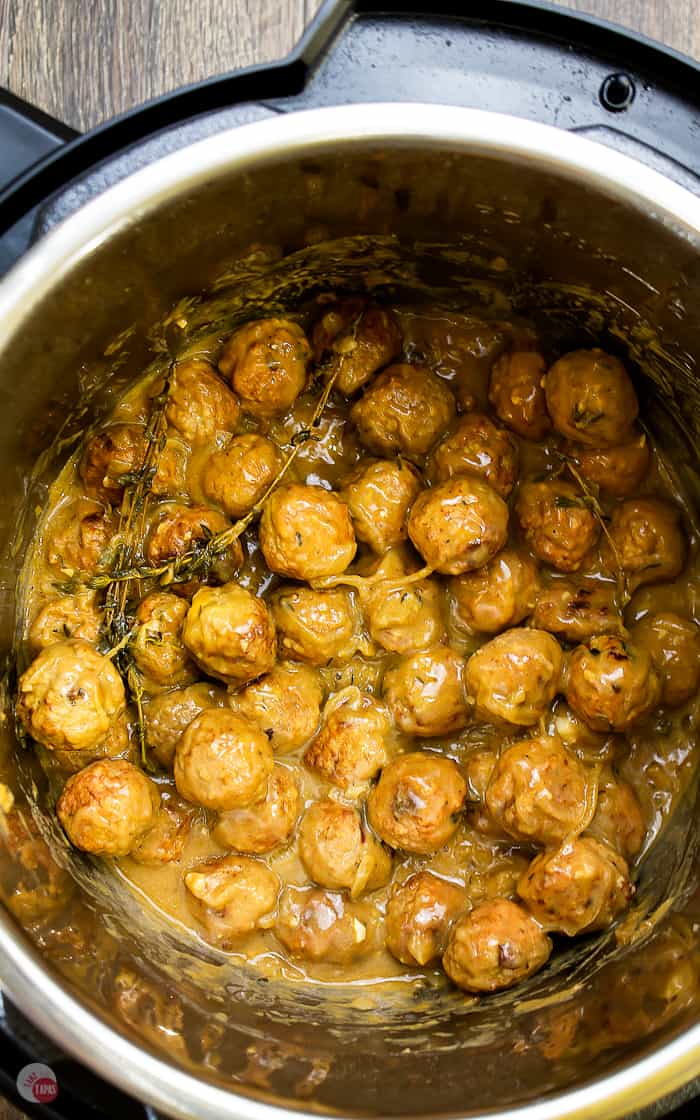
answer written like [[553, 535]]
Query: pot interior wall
[[470, 231]]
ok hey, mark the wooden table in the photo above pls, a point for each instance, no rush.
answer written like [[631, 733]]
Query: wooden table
[[86, 61]]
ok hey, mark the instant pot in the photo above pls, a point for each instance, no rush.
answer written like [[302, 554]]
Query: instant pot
[[502, 150]]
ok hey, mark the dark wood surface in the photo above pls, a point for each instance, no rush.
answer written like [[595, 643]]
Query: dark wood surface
[[86, 60]]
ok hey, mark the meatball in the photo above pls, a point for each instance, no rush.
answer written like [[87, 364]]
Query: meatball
[[354, 341], [80, 538], [419, 915], [306, 532], [72, 616], [515, 676], [338, 852], [557, 523], [180, 529], [416, 803], [516, 391], [267, 362], [404, 410], [230, 633], [616, 470], [401, 617], [618, 817], [591, 399], [459, 525], [352, 745], [499, 595], [265, 824], [117, 743], [379, 493], [238, 477], [222, 761], [612, 684], [475, 445], [425, 693], [69, 696], [231, 896], [200, 406], [646, 542], [673, 643], [115, 453], [579, 888], [577, 611], [285, 704], [537, 792], [157, 646], [165, 841], [108, 807], [316, 626], [170, 713], [324, 926], [494, 946]]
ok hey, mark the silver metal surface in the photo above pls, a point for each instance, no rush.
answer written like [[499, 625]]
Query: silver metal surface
[[81, 240]]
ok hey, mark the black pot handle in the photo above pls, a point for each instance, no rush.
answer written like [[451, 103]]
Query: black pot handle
[[26, 136]]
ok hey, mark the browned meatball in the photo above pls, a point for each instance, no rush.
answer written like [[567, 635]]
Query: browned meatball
[[618, 817], [353, 743], [69, 696], [516, 391], [306, 532], [673, 643], [165, 841], [459, 525], [379, 494], [402, 618], [354, 341], [168, 714], [200, 406], [179, 529], [338, 852], [231, 896], [222, 761], [404, 410], [557, 523], [230, 633], [591, 399], [425, 693], [238, 477], [577, 611], [285, 704], [612, 684], [494, 946], [324, 926], [316, 626], [515, 676], [108, 807], [267, 362], [616, 470], [419, 915], [578, 888], [265, 824], [416, 803], [157, 645], [537, 791], [79, 536], [646, 542], [499, 595], [119, 450], [72, 616], [117, 743], [475, 445]]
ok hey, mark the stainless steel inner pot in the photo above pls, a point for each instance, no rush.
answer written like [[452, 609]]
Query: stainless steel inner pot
[[481, 208]]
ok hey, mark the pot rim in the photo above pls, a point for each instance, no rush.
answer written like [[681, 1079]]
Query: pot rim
[[25, 977]]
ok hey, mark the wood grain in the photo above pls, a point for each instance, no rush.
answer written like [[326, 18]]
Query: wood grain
[[86, 60]]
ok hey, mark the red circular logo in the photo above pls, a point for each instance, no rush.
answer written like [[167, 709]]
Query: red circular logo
[[37, 1082]]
